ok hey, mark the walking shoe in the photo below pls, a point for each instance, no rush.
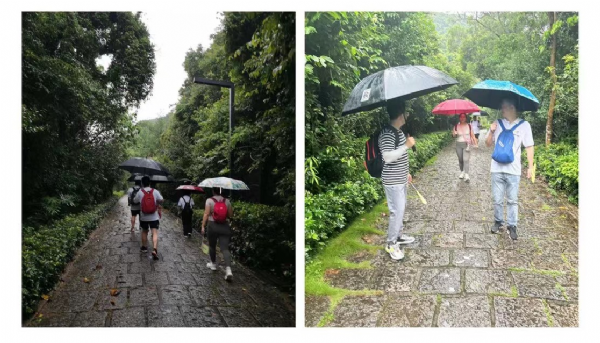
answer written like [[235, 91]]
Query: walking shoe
[[496, 227], [155, 254], [211, 265], [467, 179], [462, 175], [394, 251], [144, 249], [228, 275], [512, 231], [404, 239]]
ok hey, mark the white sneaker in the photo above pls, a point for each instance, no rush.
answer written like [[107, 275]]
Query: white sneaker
[[467, 178], [211, 265], [462, 175], [394, 251], [404, 239], [228, 275]]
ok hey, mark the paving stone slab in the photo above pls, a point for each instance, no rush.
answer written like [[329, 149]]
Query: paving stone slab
[[77, 301], [520, 312], [537, 286], [563, 314], [505, 259], [204, 296], [426, 257], [359, 311], [129, 317], [238, 317], [448, 240], [481, 241], [165, 316], [414, 227], [272, 317], [174, 295], [408, 311], [235, 296], [206, 316], [139, 268], [397, 278], [353, 279], [108, 302], [181, 278], [144, 296], [488, 281], [90, 319], [440, 280], [129, 281], [156, 279], [314, 309], [470, 258], [472, 311], [52, 319]]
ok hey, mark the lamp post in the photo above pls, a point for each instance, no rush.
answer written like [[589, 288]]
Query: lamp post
[[231, 86]]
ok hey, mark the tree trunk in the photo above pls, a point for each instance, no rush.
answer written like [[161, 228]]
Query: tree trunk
[[552, 18]]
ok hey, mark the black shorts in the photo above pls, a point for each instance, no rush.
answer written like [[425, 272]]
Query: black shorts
[[477, 135], [135, 213], [149, 225]]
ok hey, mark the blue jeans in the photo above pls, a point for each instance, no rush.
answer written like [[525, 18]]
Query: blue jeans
[[506, 184], [396, 199]]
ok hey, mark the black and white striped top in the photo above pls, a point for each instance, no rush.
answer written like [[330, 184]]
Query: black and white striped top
[[394, 173]]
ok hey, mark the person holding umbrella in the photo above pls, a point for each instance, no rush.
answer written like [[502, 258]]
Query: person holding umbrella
[[135, 208], [217, 211], [186, 205], [464, 139], [149, 200]]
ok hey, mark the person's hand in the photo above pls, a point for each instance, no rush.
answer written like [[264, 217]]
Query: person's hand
[[409, 178], [493, 126], [202, 231], [529, 173], [454, 132], [410, 142]]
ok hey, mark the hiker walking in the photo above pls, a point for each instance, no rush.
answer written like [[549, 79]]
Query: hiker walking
[[216, 212], [476, 127], [135, 208], [186, 205], [464, 139], [509, 134], [394, 146], [150, 200]]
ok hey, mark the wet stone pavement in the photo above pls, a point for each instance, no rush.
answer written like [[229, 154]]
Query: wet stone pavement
[[458, 274], [178, 290]]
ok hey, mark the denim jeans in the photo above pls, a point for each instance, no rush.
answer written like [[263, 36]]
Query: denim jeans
[[396, 199], [504, 184]]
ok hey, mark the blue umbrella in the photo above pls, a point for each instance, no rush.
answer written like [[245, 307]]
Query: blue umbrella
[[490, 93]]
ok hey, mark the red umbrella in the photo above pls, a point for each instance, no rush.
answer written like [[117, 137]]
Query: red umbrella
[[455, 106], [190, 188]]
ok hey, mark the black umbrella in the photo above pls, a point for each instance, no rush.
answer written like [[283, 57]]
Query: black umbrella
[[402, 83], [144, 166]]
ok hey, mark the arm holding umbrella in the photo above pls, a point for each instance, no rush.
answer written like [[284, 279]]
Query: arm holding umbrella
[[489, 141]]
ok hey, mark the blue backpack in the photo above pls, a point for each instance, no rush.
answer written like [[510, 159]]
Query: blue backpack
[[503, 152]]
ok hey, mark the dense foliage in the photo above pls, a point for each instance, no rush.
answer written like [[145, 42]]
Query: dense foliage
[[344, 47], [46, 251], [75, 120], [558, 164]]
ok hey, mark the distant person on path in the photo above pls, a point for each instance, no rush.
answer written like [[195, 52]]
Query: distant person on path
[[395, 176], [476, 126], [464, 139], [506, 176], [150, 200], [186, 205], [217, 211], [135, 208]]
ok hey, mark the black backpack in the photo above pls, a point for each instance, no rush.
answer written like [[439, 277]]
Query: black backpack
[[373, 159], [187, 207], [132, 196]]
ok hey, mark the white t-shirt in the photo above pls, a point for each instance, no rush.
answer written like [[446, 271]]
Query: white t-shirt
[[523, 137], [463, 133], [475, 126], [138, 199], [134, 206], [183, 200], [211, 204]]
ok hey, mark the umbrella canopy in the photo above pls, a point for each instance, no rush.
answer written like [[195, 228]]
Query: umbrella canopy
[[490, 93], [455, 106], [225, 183], [190, 188], [403, 83], [153, 178], [144, 166], [481, 113]]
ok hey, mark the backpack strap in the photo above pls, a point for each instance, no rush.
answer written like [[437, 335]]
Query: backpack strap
[[187, 202], [396, 136], [501, 125]]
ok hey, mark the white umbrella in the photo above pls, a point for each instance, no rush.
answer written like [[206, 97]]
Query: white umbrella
[[225, 183]]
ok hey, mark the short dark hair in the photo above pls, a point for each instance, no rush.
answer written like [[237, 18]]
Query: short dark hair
[[138, 182], [145, 180], [217, 190], [395, 108]]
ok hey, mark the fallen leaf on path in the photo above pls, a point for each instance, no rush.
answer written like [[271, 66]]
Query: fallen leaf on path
[[114, 292], [86, 280], [98, 267], [45, 297], [243, 289], [40, 315], [367, 240], [332, 271], [112, 302], [383, 214]]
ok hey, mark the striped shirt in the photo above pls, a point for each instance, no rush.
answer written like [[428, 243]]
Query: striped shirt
[[394, 173]]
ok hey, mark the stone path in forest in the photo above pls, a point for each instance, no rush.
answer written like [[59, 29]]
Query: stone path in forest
[[178, 290], [457, 273]]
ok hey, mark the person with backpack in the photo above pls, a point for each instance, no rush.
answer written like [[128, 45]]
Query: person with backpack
[[150, 200], [216, 212], [464, 139], [390, 162], [135, 208], [476, 127], [186, 205], [509, 134]]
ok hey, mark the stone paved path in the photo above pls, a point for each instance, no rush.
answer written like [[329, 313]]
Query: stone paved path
[[177, 290], [458, 274]]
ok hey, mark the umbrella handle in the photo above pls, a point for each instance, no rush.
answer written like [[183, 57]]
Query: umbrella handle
[[414, 147]]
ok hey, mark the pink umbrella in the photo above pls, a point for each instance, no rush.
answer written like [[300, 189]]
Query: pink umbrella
[[455, 106], [190, 188]]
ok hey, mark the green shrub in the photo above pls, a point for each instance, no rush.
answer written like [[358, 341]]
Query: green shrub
[[558, 164], [47, 250], [329, 212]]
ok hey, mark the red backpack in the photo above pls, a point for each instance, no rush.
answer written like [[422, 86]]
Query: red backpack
[[148, 202], [219, 211]]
